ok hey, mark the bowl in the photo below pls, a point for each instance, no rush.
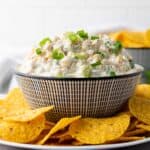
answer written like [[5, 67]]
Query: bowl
[[89, 97], [141, 56]]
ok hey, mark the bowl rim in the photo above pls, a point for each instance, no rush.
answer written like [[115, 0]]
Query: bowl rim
[[17, 73]]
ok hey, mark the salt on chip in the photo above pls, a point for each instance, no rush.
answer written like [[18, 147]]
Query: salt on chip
[[143, 90], [98, 131], [29, 114], [14, 103], [61, 124], [22, 132], [140, 108]]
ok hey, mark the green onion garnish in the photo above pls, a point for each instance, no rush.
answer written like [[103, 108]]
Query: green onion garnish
[[82, 34], [96, 64], [44, 41], [94, 37], [38, 51], [57, 54], [132, 65], [117, 47], [74, 38], [87, 71], [147, 75], [102, 54], [80, 56], [112, 73]]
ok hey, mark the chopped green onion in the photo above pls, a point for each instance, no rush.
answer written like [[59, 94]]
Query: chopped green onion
[[112, 73], [44, 41], [87, 71], [38, 51], [101, 54], [60, 75], [131, 64], [80, 56], [74, 38], [117, 47], [82, 34], [108, 44], [57, 54], [147, 75], [96, 64], [94, 37]]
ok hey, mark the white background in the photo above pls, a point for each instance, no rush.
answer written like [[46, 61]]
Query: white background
[[24, 22]]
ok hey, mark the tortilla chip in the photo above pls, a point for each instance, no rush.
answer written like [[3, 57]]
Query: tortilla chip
[[61, 124], [133, 124], [65, 138], [29, 115], [49, 123], [144, 127], [132, 39], [22, 132], [98, 131], [13, 104], [143, 90], [140, 108], [135, 132]]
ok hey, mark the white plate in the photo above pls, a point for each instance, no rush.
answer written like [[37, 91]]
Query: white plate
[[87, 147]]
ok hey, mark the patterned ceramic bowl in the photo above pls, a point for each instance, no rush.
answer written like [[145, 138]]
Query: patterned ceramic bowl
[[89, 97], [141, 56]]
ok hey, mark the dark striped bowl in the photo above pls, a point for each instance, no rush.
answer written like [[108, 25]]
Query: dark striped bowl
[[89, 97]]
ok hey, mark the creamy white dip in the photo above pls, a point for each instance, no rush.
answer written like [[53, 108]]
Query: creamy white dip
[[76, 54]]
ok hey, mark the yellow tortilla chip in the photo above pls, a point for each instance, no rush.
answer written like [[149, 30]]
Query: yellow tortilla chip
[[135, 132], [65, 138], [143, 90], [130, 44], [143, 126], [116, 35], [132, 125], [14, 103], [98, 131], [49, 123], [137, 37], [22, 132], [1, 101], [61, 124], [77, 143], [29, 114], [140, 108], [147, 35], [132, 39], [16, 97]]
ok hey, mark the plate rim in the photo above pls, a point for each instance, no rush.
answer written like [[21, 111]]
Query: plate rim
[[96, 147]]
